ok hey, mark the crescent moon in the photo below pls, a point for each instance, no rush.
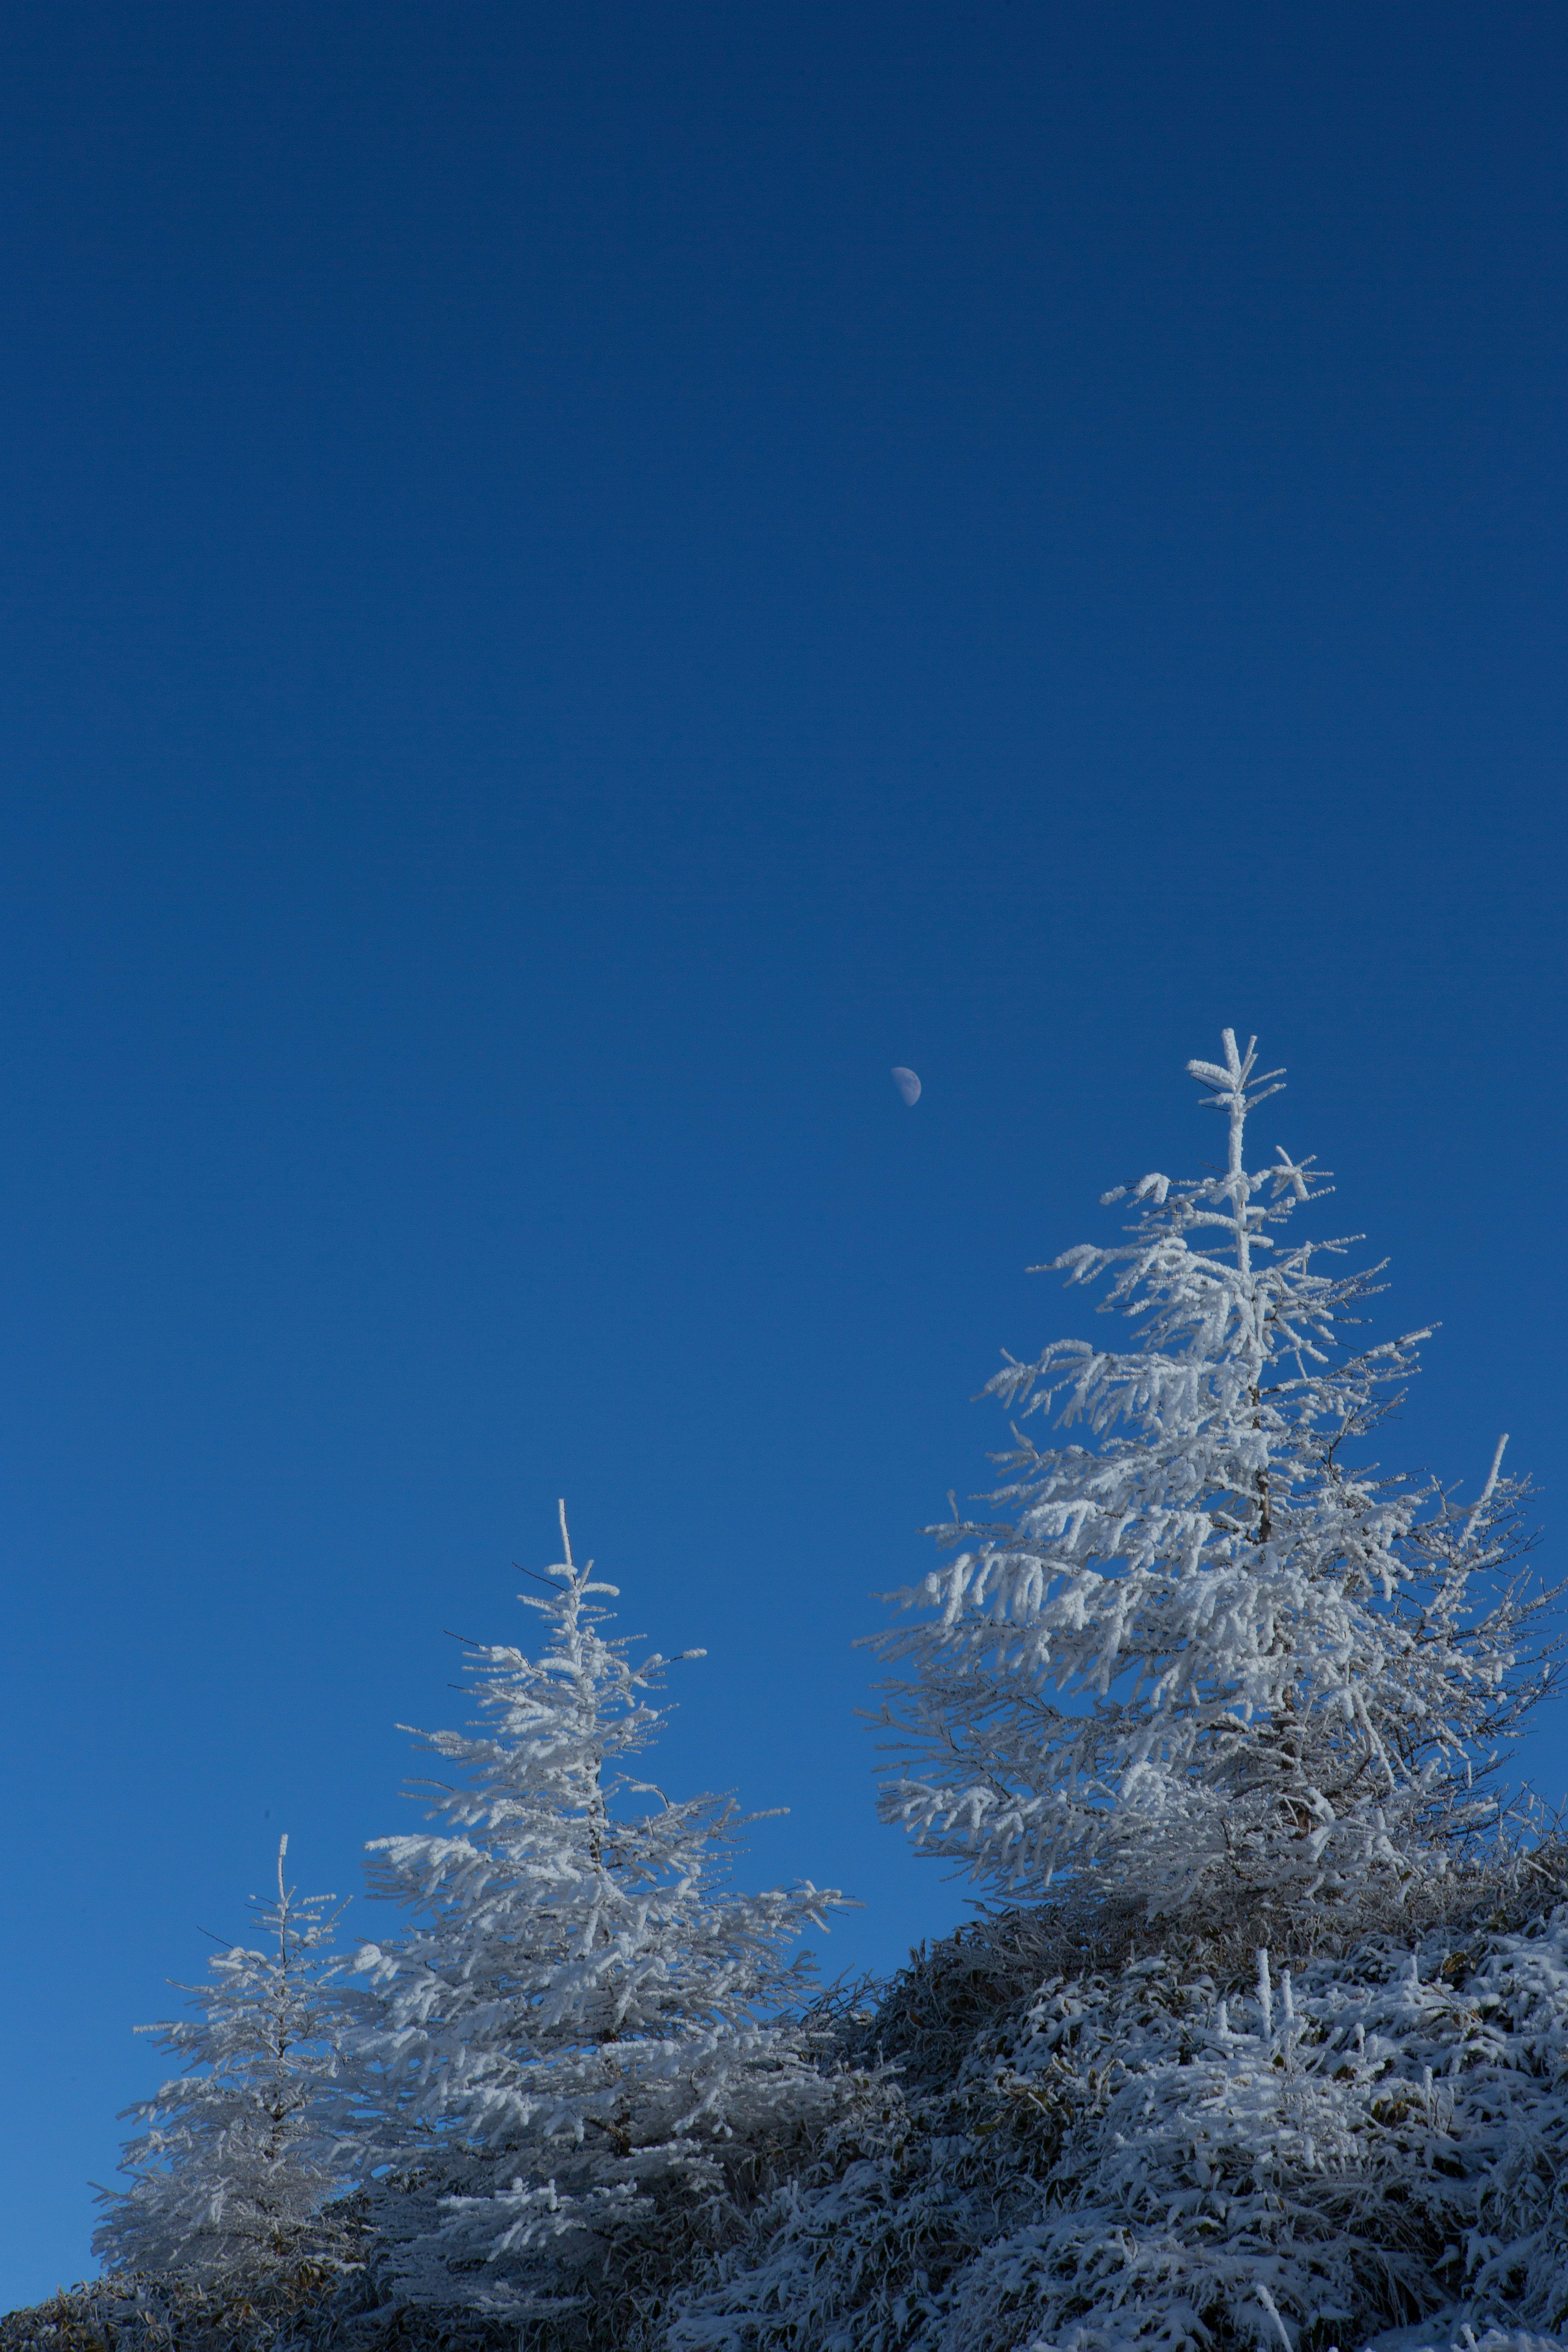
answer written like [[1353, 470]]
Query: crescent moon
[[907, 1085]]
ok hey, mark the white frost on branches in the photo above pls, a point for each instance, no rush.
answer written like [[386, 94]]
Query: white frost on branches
[[1209, 1654], [581, 2049], [230, 2175], [1144, 2162]]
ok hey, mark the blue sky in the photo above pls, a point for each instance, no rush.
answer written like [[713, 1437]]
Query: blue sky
[[577, 583]]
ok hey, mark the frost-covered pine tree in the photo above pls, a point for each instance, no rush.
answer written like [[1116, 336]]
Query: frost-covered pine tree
[[582, 2056], [1208, 1655], [229, 2177]]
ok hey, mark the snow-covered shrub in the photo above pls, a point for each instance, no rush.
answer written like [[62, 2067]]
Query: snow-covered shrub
[[300, 2309], [579, 2063], [235, 2183], [1155, 2161]]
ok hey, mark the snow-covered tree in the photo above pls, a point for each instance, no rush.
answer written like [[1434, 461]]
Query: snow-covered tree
[[230, 2175], [582, 2053], [1211, 1657]]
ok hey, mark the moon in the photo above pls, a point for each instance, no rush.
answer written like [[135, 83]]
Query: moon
[[907, 1085]]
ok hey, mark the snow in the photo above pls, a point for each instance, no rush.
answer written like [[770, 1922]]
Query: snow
[[1158, 2158]]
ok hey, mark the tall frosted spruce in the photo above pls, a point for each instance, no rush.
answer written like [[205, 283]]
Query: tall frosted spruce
[[579, 2063], [1210, 1657], [230, 2175]]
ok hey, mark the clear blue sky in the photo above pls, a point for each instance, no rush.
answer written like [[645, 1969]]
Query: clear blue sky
[[578, 582]]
